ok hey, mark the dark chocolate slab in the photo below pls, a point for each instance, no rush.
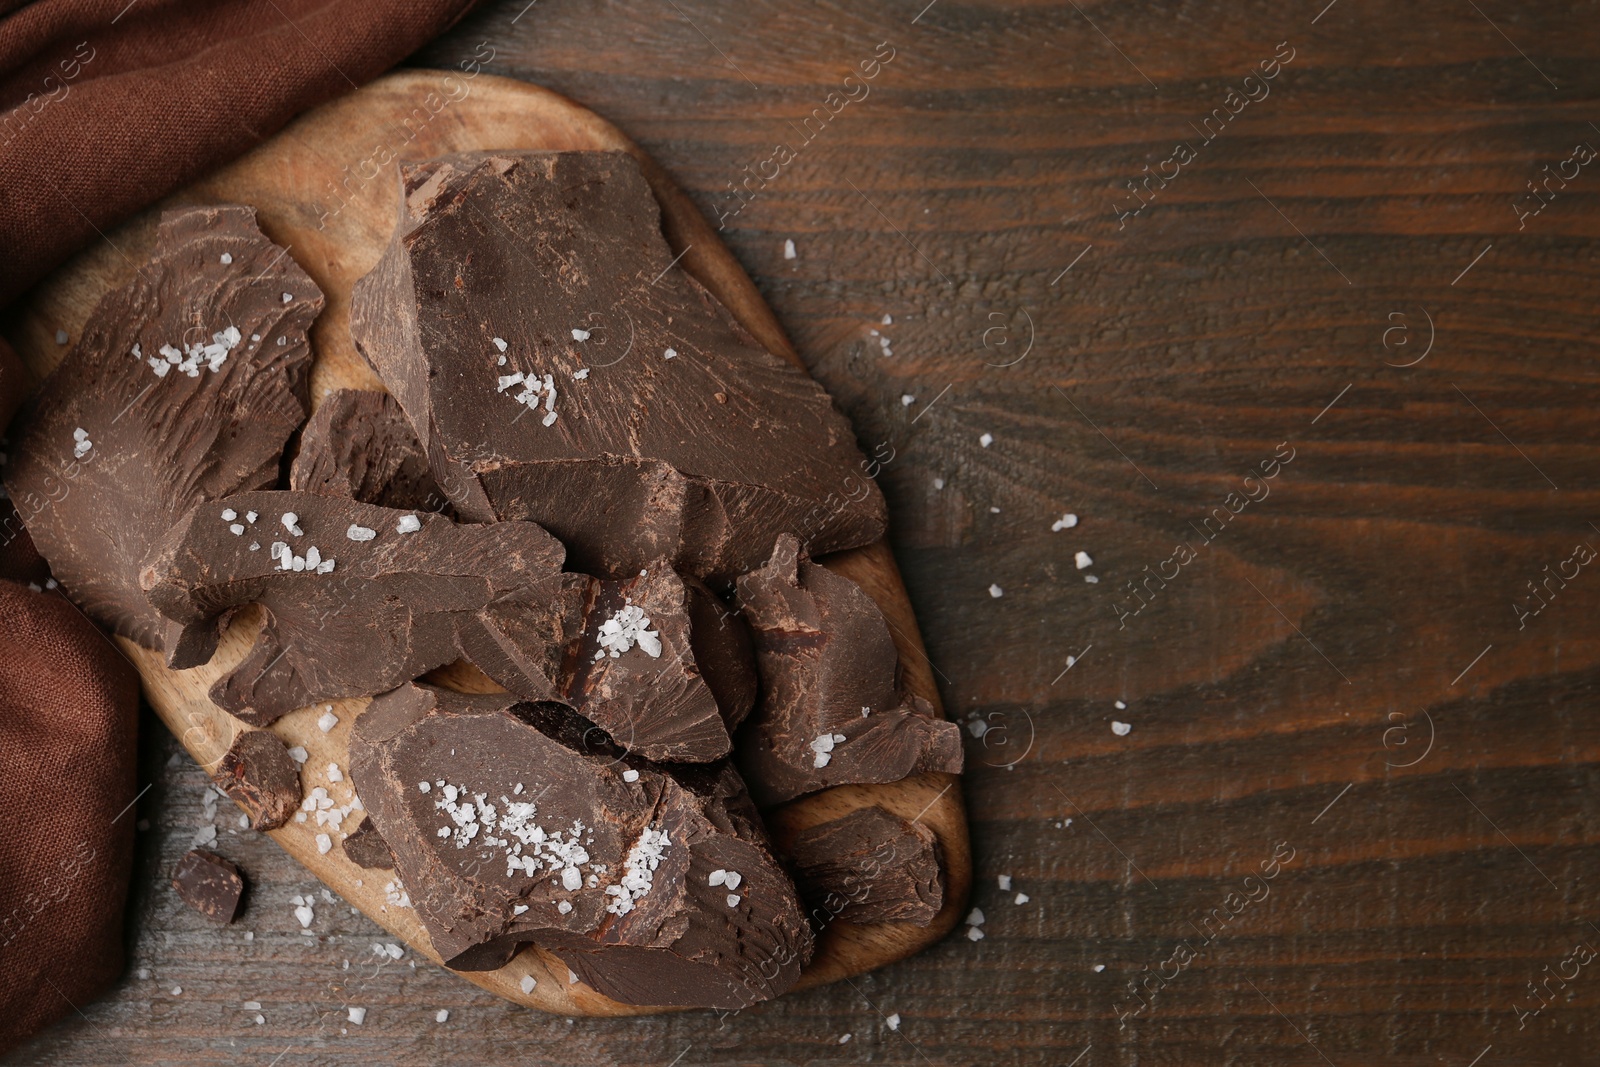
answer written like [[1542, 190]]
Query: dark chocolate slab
[[611, 862], [184, 387], [830, 713], [550, 268]]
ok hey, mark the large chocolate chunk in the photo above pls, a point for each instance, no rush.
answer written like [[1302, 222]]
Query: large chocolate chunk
[[184, 387], [359, 444], [209, 884], [558, 366], [870, 866], [510, 823], [262, 778], [359, 598], [829, 712]]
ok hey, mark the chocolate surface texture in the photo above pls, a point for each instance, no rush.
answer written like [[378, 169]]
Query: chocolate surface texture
[[365, 847], [209, 884], [261, 777], [184, 387], [509, 824], [558, 367], [870, 866], [359, 444], [830, 711], [362, 598]]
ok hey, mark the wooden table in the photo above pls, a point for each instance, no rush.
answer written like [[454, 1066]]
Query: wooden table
[[1356, 812]]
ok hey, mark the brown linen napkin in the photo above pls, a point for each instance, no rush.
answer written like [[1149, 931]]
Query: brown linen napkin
[[105, 107]]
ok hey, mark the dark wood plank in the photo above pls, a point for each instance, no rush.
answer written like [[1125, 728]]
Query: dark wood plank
[[1280, 687]]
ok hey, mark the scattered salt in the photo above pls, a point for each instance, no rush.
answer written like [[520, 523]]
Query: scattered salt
[[360, 533], [1065, 522], [324, 844], [226, 257], [630, 775], [500, 343], [670, 353], [1082, 559], [298, 754], [528, 982], [893, 1021], [986, 440], [61, 337], [1022, 898], [580, 335], [327, 721], [358, 1015], [906, 399], [408, 524], [628, 627], [996, 592], [788, 249], [1005, 881], [1121, 729], [442, 1016]]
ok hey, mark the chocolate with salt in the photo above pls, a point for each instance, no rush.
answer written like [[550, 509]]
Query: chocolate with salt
[[184, 387], [260, 776], [870, 866], [830, 713], [361, 598], [360, 445], [510, 823], [209, 884], [559, 365]]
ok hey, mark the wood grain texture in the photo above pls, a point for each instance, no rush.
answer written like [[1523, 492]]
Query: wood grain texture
[[1421, 900]]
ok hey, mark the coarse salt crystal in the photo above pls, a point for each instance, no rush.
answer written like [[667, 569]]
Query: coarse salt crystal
[[228, 514], [500, 343], [938, 483], [1005, 881], [61, 337], [788, 249], [733, 900], [237, 529], [287, 297], [1022, 898], [360, 533], [630, 775], [324, 843], [580, 335], [226, 257], [408, 524], [1121, 729], [298, 754], [975, 917], [424, 787], [1082, 559], [671, 353], [304, 913], [974, 934], [250, 516], [564, 906], [844, 1039], [986, 439], [571, 880], [906, 399], [358, 1015], [996, 592], [528, 982], [579, 376], [334, 773], [327, 721], [291, 522], [443, 1015], [1065, 522], [893, 1021], [1120, 706]]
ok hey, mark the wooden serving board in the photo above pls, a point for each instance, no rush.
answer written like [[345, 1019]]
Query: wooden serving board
[[326, 189]]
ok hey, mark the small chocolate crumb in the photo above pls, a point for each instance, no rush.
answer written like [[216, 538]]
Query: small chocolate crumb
[[262, 778], [209, 884]]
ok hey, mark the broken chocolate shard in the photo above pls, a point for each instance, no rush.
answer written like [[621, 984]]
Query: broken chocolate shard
[[656, 661], [365, 847], [360, 445], [359, 598], [510, 823], [870, 866], [184, 387], [261, 777], [829, 712], [209, 884], [523, 317]]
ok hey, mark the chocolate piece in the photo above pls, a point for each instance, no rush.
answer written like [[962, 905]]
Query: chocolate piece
[[209, 884], [510, 823], [360, 445], [262, 778], [365, 847], [359, 598], [870, 866], [372, 606], [558, 366], [656, 661], [184, 387], [829, 712]]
